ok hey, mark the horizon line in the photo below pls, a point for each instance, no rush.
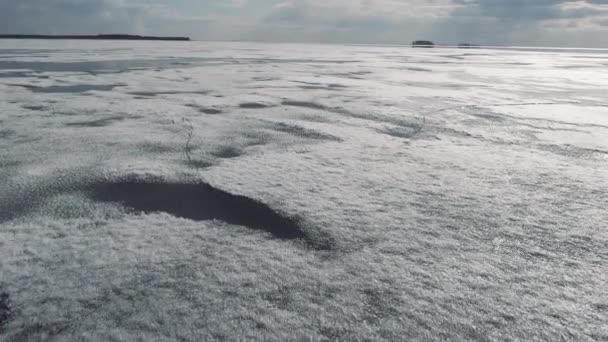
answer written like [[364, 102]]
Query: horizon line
[[190, 39]]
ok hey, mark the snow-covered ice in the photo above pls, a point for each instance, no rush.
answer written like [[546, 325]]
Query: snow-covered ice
[[208, 191]]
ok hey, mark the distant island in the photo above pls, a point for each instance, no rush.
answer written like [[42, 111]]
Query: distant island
[[423, 43], [94, 37]]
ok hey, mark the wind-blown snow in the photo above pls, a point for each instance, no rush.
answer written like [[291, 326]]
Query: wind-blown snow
[[345, 192]]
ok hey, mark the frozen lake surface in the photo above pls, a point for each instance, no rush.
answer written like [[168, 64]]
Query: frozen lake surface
[[207, 191]]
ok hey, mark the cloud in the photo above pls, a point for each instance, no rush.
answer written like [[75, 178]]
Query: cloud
[[68, 16], [537, 22], [92, 17], [349, 21], [449, 21], [369, 21]]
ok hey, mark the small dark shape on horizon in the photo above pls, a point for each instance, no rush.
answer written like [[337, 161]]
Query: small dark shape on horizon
[[423, 43], [89, 37]]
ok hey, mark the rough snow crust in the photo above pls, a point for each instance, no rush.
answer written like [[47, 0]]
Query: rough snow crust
[[211, 191]]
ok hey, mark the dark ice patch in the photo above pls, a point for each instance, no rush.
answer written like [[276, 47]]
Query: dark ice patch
[[211, 111], [459, 57], [206, 110], [323, 85], [156, 147], [7, 133], [399, 131], [320, 107], [6, 309], [264, 78], [489, 117], [96, 123], [305, 104], [355, 75], [303, 132], [202, 202], [319, 87], [571, 151], [199, 163], [77, 88], [255, 105], [35, 108], [227, 152], [167, 92], [89, 66], [418, 69], [14, 74]]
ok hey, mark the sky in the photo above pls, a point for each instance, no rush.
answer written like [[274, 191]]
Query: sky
[[566, 23]]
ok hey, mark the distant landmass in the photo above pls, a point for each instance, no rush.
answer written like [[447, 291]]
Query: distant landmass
[[423, 43], [97, 37]]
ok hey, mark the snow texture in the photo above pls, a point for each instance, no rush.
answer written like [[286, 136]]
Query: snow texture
[[168, 191]]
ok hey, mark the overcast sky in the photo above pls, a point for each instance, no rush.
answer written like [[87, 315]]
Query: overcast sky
[[581, 23]]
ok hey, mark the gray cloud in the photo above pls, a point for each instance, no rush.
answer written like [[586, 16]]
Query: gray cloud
[[538, 22], [68, 16], [365, 21]]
